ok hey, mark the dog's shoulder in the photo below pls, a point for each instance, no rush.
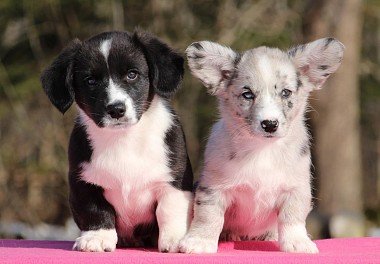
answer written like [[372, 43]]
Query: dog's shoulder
[[80, 149]]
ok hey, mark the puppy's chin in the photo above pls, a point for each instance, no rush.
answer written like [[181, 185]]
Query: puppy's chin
[[268, 136], [113, 124]]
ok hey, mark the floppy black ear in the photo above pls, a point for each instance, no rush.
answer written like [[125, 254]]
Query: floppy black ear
[[165, 65], [58, 77]]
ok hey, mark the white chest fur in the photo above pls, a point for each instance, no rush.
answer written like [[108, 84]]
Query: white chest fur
[[255, 178], [130, 164]]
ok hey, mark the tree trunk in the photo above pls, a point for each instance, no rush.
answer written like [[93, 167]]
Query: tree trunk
[[117, 15], [336, 120]]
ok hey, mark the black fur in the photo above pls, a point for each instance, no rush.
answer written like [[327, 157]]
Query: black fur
[[90, 209], [197, 56], [305, 149], [323, 67], [299, 82], [300, 48], [206, 190], [165, 65], [160, 72], [197, 45], [206, 199], [328, 41], [179, 160], [57, 78]]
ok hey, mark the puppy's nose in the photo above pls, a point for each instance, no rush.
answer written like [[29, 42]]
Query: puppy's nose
[[269, 126], [116, 110]]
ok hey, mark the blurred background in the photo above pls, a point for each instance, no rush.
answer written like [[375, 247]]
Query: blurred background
[[345, 121]]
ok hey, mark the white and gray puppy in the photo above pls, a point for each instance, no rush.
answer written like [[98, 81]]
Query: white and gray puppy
[[256, 178]]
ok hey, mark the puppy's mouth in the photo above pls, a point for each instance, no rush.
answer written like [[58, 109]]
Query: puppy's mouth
[[119, 125], [269, 136], [274, 136]]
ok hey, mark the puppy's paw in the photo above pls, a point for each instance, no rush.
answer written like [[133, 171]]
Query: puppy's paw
[[96, 241], [169, 243], [197, 244], [299, 245]]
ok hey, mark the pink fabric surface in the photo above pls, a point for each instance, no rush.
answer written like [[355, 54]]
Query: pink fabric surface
[[348, 250]]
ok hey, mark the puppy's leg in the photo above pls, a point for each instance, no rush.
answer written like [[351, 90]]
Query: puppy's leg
[[94, 216], [292, 232], [207, 224], [173, 216]]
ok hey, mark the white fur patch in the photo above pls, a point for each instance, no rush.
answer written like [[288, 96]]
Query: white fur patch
[[96, 240], [294, 239], [131, 164], [269, 109], [115, 93], [265, 68], [198, 245], [173, 217], [105, 47]]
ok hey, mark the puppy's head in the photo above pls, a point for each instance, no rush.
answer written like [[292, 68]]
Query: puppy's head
[[113, 76], [263, 90]]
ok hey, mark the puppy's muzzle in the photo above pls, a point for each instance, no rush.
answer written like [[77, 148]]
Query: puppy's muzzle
[[116, 110]]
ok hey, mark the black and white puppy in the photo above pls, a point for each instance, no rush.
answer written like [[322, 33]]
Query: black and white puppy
[[130, 174]]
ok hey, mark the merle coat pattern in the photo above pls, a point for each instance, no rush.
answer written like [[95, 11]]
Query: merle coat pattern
[[255, 183]]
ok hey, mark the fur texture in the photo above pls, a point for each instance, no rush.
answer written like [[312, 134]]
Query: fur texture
[[129, 169], [256, 178]]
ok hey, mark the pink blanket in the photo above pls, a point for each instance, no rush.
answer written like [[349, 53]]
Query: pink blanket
[[349, 250]]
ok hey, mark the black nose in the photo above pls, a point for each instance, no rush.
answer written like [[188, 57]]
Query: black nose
[[116, 110], [269, 126]]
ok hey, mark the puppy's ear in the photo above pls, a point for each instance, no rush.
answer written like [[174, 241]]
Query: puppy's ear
[[165, 65], [212, 63], [58, 77], [317, 60]]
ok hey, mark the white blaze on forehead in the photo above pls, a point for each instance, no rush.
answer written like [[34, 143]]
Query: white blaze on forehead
[[266, 70], [105, 47], [117, 94], [269, 109]]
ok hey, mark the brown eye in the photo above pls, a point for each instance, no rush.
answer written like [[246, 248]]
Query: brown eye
[[248, 95], [132, 75], [286, 93]]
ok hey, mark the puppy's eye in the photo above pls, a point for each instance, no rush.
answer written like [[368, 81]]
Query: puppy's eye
[[286, 93], [248, 95], [91, 81], [132, 75]]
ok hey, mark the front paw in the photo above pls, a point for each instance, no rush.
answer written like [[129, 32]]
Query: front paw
[[169, 243], [96, 241], [299, 245], [197, 244]]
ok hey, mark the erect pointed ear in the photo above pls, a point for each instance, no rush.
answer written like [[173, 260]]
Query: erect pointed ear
[[165, 65], [317, 60], [58, 77], [212, 63]]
